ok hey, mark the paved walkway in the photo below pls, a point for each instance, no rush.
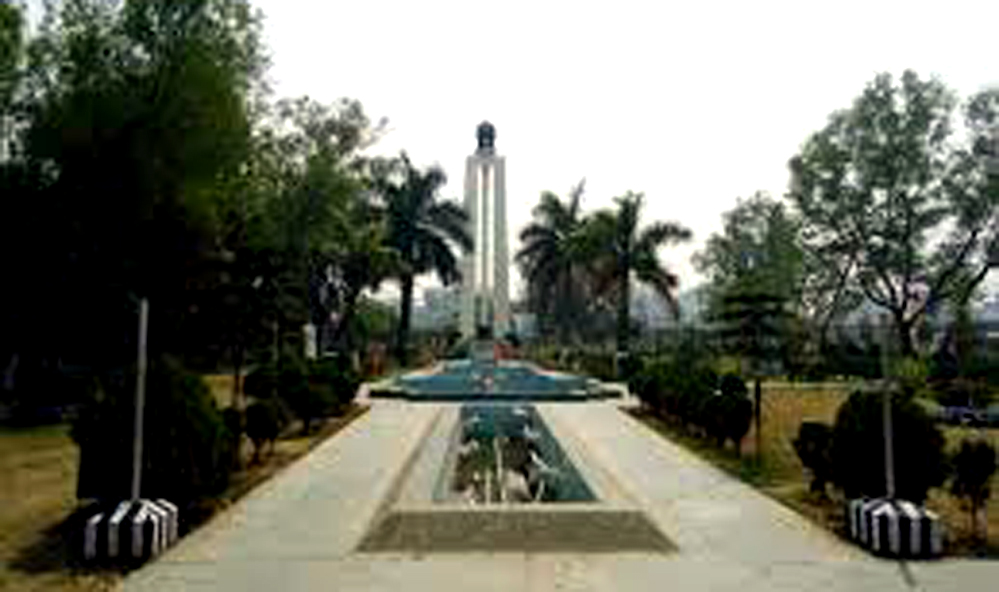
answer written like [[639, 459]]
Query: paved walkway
[[298, 531]]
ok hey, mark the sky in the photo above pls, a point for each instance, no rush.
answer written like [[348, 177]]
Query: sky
[[692, 103]]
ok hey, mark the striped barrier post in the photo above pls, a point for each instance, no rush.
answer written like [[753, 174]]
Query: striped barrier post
[[895, 528], [132, 531]]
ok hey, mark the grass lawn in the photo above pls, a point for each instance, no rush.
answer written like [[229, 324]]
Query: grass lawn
[[38, 468], [780, 474]]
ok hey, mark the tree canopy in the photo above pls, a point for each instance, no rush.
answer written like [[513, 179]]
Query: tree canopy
[[897, 204]]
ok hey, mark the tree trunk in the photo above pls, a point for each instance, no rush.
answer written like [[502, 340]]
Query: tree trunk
[[341, 335], [237, 371], [623, 328], [320, 333], [906, 348], [758, 415], [405, 309]]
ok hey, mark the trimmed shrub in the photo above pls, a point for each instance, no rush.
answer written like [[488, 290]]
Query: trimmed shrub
[[736, 413], [733, 385], [185, 445], [264, 422], [814, 448], [858, 445], [234, 425], [262, 382], [973, 469]]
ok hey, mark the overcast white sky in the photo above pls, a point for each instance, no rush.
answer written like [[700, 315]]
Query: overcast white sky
[[693, 103]]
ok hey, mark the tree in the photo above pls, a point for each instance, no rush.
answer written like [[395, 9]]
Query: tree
[[759, 240], [755, 270], [11, 48], [422, 230], [752, 325], [551, 262], [619, 251], [884, 178], [136, 112], [973, 469]]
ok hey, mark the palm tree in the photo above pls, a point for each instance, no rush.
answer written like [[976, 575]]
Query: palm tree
[[617, 250], [550, 259], [422, 230]]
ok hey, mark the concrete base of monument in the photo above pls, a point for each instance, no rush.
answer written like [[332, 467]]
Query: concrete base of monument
[[462, 492]]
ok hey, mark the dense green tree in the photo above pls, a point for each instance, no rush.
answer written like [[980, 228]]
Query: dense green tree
[[551, 262], [422, 229], [896, 202], [759, 245], [11, 51], [620, 252]]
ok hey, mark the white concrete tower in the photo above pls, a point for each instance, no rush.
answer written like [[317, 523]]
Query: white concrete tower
[[485, 292]]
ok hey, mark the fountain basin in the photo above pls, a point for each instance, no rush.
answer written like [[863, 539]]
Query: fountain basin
[[579, 508], [502, 381]]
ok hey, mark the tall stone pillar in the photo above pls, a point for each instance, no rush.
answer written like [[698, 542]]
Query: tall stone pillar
[[485, 284], [501, 263], [466, 316]]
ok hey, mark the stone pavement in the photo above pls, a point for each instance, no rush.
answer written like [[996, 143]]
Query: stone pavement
[[299, 530]]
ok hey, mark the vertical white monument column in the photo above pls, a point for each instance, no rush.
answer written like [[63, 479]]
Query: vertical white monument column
[[485, 298]]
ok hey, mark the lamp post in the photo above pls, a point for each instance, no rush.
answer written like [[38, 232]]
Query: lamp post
[[140, 398], [886, 408]]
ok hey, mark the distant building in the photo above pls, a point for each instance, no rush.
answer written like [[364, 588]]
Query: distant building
[[438, 310]]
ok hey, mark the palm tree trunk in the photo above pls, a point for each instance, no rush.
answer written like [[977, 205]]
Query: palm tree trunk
[[341, 335], [623, 324], [405, 309]]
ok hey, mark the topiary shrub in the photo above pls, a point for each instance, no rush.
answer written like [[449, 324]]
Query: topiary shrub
[[736, 412], [733, 385], [307, 400], [185, 444], [264, 422], [858, 445], [814, 448], [234, 424], [973, 469], [262, 382], [647, 384]]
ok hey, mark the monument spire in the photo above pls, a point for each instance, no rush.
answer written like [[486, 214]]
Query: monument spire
[[485, 301]]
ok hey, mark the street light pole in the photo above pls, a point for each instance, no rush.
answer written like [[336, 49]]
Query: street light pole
[[886, 409], [140, 399]]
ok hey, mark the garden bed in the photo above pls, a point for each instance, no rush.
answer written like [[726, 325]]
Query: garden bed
[[780, 475], [38, 473]]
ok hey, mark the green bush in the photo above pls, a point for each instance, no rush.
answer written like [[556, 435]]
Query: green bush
[[185, 445], [265, 419], [695, 397], [973, 469], [262, 382], [858, 445], [735, 414], [235, 428], [733, 385], [814, 448]]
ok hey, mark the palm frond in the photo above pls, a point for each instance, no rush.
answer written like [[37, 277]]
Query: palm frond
[[659, 234], [451, 220]]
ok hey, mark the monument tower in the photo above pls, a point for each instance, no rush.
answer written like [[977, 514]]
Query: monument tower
[[485, 295]]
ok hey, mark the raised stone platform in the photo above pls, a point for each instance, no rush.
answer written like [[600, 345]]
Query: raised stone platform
[[575, 529]]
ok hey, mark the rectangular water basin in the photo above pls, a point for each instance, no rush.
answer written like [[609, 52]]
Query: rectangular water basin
[[499, 477]]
